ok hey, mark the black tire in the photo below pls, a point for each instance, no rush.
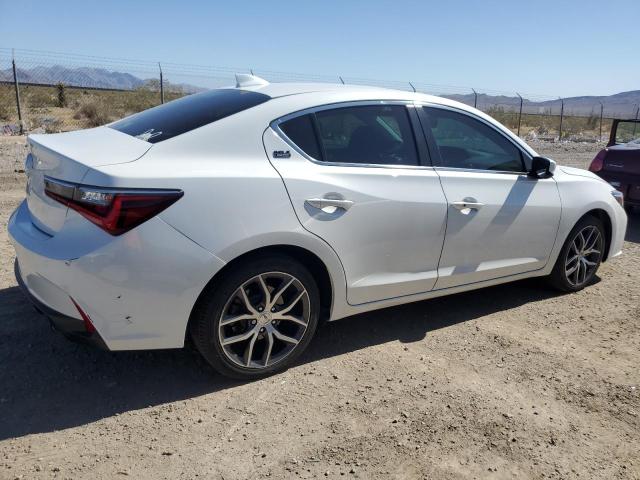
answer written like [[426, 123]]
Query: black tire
[[558, 278], [205, 325]]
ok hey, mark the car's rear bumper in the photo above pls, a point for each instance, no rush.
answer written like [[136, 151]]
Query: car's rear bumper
[[137, 289], [70, 327]]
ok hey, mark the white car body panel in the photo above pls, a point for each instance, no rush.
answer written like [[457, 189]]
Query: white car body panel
[[512, 232], [140, 288], [134, 301], [390, 240]]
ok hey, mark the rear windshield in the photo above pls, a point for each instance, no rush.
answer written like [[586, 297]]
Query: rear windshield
[[187, 113]]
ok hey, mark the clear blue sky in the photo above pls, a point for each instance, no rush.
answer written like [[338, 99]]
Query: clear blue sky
[[555, 47]]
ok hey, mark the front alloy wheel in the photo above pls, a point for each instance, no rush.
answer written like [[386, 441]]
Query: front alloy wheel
[[584, 255], [580, 256]]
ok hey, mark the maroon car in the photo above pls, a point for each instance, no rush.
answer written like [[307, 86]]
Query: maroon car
[[619, 162]]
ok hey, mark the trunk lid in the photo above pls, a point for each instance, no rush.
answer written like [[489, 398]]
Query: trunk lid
[[624, 158], [68, 157]]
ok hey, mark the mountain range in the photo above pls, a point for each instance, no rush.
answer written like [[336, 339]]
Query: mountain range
[[624, 104], [88, 77]]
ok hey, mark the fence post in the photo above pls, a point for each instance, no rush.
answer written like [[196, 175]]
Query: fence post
[[561, 115], [475, 98], [520, 113], [17, 88], [161, 84], [601, 115]]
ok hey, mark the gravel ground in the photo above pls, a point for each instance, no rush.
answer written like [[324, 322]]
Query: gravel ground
[[508, 381]]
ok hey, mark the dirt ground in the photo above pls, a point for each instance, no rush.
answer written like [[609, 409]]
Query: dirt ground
[[510, 381]]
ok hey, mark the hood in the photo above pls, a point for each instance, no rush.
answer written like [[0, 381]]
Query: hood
[[579, 172]]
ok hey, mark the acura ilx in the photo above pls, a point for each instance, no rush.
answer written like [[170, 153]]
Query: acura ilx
[[241, 218]]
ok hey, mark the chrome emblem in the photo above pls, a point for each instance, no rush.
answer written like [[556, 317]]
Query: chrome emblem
[[281, 154]]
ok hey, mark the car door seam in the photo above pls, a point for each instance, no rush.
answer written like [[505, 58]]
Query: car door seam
[[284, 184]]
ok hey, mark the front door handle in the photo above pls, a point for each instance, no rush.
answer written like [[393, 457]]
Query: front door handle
[[467, 205], [321, 203]]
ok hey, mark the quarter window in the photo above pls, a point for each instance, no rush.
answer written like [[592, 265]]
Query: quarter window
[[300, 131], [464, 142]]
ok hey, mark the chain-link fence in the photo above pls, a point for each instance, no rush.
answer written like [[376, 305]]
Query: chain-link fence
[[52, 92]]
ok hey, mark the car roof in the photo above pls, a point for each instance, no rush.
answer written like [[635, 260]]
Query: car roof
[[346, 93], [291, 98], [319, 93], [276, 90], [281, 89]]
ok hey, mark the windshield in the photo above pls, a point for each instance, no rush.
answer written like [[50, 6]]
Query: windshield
[[187, 113], [628, 132]]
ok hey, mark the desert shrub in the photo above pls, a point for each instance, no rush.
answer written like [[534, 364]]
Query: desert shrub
[[52, 125], [94, 113], [37, 97], [138, 100], [4, 112], [62, 95]]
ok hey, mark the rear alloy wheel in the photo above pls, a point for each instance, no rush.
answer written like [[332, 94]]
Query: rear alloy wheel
[[259, 319], [580, 257], [264, 320]]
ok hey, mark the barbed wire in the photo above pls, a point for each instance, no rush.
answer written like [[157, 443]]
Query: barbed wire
[[49, 81]]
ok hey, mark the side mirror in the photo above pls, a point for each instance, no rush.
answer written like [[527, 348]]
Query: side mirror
[[542, 167]]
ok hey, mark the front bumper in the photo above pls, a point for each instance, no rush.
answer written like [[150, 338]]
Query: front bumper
[[70, 327]]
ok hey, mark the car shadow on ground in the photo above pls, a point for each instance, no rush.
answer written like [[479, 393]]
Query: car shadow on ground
[[633, 227], [48, 383]]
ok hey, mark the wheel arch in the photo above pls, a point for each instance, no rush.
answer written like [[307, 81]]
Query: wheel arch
[[604, 217], [310, 260]]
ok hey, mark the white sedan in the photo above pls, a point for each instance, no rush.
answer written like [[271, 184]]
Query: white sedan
[[242, 217]]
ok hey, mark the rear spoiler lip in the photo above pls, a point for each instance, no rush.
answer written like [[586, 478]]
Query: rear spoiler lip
[[63, 144]]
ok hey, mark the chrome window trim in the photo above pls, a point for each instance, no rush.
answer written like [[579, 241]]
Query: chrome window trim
[[478, 170], [526, 154], [275, 126]]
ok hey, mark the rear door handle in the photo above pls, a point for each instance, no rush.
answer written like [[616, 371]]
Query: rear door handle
[[464, 205], [321, 203]]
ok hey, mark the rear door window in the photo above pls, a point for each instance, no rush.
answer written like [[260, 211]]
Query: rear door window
[[371, 134], [187, 113]]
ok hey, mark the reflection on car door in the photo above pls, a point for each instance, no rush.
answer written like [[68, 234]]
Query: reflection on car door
[[500, 221], [354, 178]]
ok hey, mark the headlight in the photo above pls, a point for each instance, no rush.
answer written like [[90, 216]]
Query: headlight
[[617, 194]]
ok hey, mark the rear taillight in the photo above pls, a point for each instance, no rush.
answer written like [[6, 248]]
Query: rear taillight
[[598, 162], [114, 210]]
